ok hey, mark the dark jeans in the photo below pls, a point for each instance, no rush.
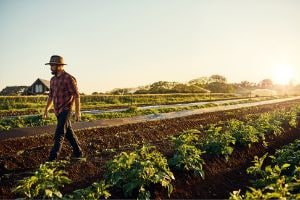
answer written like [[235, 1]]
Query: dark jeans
[[64, 129]]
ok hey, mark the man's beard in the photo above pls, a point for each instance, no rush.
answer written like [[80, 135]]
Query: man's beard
[[54, 73]]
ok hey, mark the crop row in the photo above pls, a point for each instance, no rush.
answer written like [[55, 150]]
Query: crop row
[[113, 99], [37, 120], [135, 172]]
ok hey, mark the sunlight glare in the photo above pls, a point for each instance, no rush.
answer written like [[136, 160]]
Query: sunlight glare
[[283, 74]]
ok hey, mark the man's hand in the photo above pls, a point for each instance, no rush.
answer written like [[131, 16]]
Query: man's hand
[[45, 115], [77, 116], [49, 102], [77, 109]]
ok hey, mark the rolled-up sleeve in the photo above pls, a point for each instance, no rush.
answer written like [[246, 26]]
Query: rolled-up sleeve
[[73, 89], [51, 89]]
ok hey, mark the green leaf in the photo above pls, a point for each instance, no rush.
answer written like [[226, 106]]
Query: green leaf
[[48, 193]]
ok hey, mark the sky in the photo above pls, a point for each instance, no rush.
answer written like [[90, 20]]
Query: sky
[[111, 44]]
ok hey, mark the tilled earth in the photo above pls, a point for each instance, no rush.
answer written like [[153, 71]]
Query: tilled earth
[[20, 156]]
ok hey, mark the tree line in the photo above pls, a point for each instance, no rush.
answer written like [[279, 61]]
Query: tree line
[[213, 84]]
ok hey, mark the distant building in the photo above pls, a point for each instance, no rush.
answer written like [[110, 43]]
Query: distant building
[[40, 86]]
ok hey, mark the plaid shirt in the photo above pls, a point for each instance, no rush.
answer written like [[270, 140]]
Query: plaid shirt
[[63, 91]]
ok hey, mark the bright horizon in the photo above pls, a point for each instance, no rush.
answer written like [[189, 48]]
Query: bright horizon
[[119, 44]]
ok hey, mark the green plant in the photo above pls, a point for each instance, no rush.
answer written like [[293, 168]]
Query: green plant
[[256, 169], [187, 137], [288, 154], [137, 170], [244, 134], [4, 127], [25, 121], [280, 181], [45, 182], [132, 109], [268, 124], [267, 176], [216, 142], [186, 155], [277, 186], [95, 191]]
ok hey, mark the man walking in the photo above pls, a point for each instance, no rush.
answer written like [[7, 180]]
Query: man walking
[[63, 93]]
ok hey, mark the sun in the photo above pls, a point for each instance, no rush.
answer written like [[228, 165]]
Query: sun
[[283, 74]]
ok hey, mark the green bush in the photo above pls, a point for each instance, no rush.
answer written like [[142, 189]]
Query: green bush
[[45, 182], [267, 124], [132, 109], [186, 155], [136, 171], [95, 191], [278, 181], [274, 184], [244, 134], [288, 154], [187, 137], [216, 142], [25, 121]]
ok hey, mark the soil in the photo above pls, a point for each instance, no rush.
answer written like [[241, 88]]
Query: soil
[[21, 156]]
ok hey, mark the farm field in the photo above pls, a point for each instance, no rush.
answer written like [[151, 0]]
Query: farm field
[[150, 100], [26, 111], [34, 120], [223, 173], [134, 116], [33, 104]]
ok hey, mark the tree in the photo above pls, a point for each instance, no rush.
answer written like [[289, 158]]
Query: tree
[[119, 91], [199, 81], [217, 78], [217, 87], [247, 84], [162, 87], [184, 88]]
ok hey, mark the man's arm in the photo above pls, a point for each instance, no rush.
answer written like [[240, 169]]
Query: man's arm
[[49, 103], [77, 109], [73, 89]]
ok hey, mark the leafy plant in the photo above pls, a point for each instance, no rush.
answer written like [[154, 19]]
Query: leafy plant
[[267, 176], [187, 156], [187, 137], [95, 191], [288, 154], [256, 169], [137, 170], [25, 121], [267, 124], [132, 109], [45, 182], [244, 134], [280, 181], [216, 142], [277, 186]]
